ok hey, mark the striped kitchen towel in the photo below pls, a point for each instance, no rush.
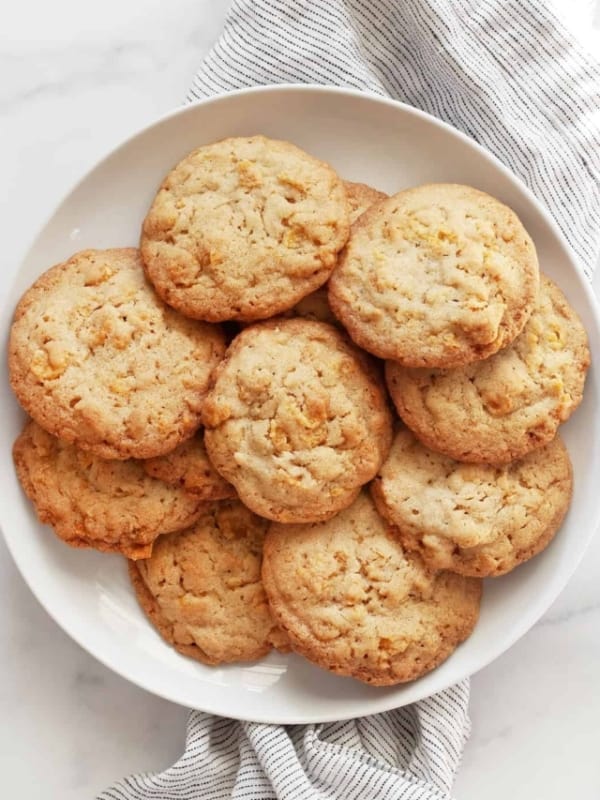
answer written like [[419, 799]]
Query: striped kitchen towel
[[509, 75], [503, 71]]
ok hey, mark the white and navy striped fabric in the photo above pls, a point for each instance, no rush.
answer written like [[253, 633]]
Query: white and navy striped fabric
[[506, 73], [410, 753], [503, 71]]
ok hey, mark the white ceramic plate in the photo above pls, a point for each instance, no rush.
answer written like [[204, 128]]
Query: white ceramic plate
[[368, 139]]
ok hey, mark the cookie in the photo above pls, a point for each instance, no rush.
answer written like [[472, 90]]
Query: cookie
[[188, 466], [296, 420], [500, 409], [91, 502], [243, 229], [96, 358], [316, 304], [436, 276], [473, 519], [353, 601], [360, 198], [202, 589]]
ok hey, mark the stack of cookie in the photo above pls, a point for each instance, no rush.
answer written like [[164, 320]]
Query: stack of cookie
[[214, 406]]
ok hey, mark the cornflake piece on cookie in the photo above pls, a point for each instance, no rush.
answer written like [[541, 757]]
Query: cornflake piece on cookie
[[96, 358], [202, 588], [91, 502], [502, 408], [436, 276], [473, 519], [353, 601], [243, 229], [297, 420]]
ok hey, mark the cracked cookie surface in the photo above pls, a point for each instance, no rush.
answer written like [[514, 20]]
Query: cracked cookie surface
[[189, 467], [296, 420], [243, 229], [96, 358], [473, 519], [353, 601], [500, 409], [202, 588], [109, 505], [439, 275]]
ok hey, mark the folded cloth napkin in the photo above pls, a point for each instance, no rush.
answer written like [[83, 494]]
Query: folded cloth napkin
[[509, 75]]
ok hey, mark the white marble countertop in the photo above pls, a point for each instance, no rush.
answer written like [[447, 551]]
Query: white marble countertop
[[76, 78]]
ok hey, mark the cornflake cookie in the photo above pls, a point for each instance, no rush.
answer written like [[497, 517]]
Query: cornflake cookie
[[500, 409], [353, 601], [315, 306], [96, 358], [90, 502], [296, 420], [360, 198], [473, 519], [436, 276], [189, 467], [202, 588], [243, 229]]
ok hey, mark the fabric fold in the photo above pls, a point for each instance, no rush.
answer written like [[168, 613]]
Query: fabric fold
[[410, 753]]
